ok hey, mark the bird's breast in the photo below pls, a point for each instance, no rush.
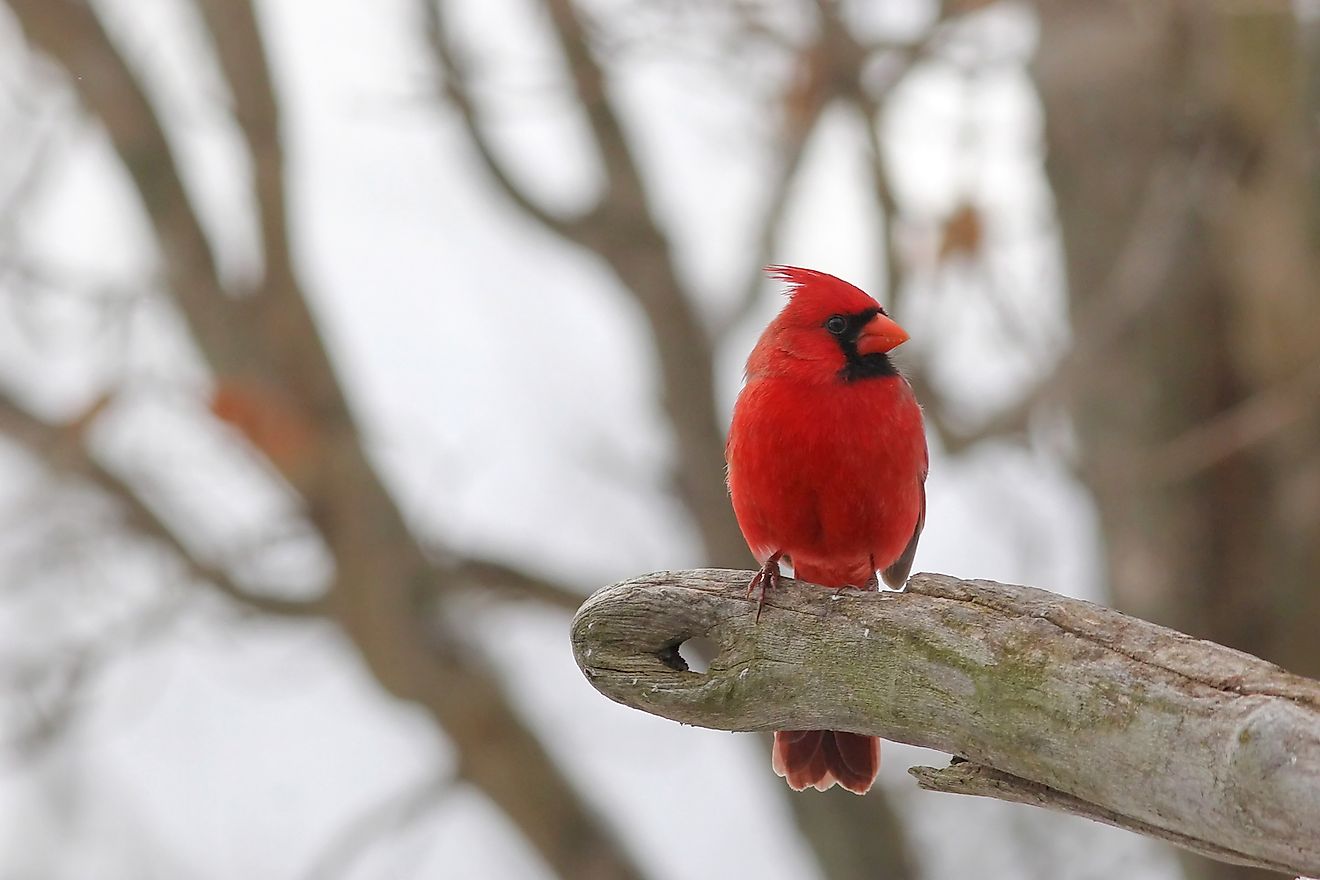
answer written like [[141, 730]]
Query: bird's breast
[[830, 472]]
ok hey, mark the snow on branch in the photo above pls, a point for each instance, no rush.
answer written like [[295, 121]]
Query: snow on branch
[[1052, 701]]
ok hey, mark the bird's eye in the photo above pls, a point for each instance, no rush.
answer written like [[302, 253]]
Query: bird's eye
[[836, 325]]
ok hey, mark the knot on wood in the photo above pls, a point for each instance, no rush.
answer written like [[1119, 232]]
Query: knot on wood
[[1274, 765]]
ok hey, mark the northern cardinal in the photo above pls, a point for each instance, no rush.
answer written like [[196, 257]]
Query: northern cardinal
[[827, 469]]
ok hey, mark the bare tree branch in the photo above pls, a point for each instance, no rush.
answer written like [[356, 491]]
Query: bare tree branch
[[1151, 249], [70, 32], [391, 815], [978, 780], [240, 49], [1254, 420], [625, 187], [272, 336], [870, 103], [412, 658], [1070, 705], [815, 85], [831, 68], [28, 171], [51, 713], [455, 80], [488, 576], [62, 449], [621, 229]]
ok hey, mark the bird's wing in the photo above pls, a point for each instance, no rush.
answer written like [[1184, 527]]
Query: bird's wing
[[896, 574]]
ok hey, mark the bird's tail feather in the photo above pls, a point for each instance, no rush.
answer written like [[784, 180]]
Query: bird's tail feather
[[820, 758]]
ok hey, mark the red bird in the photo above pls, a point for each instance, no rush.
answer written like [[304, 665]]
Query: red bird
[[827, 469]]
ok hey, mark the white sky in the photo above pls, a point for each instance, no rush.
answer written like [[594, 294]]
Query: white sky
[[226, 750]]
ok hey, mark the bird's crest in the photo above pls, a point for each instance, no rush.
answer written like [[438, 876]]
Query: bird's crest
[[809, 290], [797, 278]]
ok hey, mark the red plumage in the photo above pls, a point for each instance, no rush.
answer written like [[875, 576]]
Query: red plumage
[[827, 469]]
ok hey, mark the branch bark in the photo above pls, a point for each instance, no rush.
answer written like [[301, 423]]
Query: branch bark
[[1054, 701]]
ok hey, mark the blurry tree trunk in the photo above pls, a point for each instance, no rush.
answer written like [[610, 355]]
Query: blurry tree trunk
[[1181, 149]]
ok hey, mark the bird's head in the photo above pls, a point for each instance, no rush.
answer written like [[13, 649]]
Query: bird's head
[[828, 330]]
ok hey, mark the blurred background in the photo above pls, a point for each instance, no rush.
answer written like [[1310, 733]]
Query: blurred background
[[345, 347]]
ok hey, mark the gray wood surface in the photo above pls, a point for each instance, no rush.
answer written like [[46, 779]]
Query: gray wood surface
[[1053, 701]]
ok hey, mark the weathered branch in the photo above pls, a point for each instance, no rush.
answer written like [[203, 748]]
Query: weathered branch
[[1054, 701]]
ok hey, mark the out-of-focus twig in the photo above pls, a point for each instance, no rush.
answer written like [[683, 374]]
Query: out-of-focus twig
[[240, 49], [63, 450], [815, 85], [500, 579], [51, 710], [870, 100], [71, 33], [1252, 421], [455, 79], [391, 815], [831, 68], [1156, 237], [28, 171], [622, 230]]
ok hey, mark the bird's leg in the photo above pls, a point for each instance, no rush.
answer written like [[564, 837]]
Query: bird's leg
[[767, 579], [870, 586]]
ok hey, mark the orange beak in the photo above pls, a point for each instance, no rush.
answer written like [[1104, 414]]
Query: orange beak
[[880, 334]]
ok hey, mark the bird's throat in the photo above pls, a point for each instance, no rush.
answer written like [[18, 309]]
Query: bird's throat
[[871, 366]]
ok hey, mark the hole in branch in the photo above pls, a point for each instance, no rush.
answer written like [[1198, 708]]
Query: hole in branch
[[672, 658], [689, 655], [698, 651]]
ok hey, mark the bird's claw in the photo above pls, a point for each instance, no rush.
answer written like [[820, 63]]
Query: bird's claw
[[767, 579], [874, 582]]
